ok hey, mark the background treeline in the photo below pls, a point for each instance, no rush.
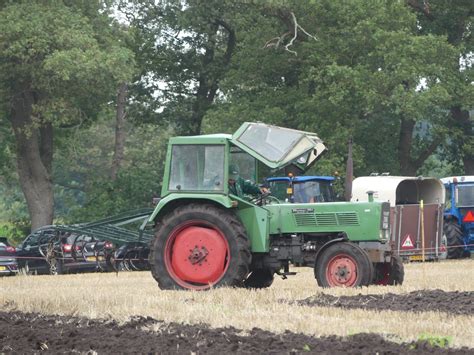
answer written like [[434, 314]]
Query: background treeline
[[90, 91]]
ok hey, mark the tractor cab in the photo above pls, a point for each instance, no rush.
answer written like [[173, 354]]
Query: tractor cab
[[459, 215], [303, 189], [201, 164]]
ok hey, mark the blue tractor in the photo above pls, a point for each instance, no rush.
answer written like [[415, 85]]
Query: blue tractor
[[459, 216], [303, 189]]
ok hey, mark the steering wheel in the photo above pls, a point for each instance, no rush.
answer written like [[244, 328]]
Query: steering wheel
[[260, 198]]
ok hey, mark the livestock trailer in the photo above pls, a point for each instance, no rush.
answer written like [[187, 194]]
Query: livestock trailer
[[408, 197]]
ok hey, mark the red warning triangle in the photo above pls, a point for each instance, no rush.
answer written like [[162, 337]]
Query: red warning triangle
[[469, 217], [408, 242]]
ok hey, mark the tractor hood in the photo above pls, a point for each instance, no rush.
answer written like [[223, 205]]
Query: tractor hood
[[278, 147]]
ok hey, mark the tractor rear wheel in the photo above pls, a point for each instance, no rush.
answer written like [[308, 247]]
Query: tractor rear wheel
[[259, 278], [454, 240], [199, 246], [343, 264], [391, 273]]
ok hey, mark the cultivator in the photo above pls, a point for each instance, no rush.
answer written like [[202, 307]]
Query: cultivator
[[94, 242]]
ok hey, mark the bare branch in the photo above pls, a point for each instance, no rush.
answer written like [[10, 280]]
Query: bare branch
[[295, 34], [290, 20], [424, 9]]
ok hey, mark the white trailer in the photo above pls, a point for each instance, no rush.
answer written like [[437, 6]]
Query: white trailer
[[410, 229]]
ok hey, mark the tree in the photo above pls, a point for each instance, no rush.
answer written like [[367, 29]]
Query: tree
[[356, 71], [58, 66], [184, 49], [454, 21]]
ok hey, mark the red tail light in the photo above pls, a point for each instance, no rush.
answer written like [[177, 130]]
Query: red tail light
[[11, 249], [108, 245], [67, 248]]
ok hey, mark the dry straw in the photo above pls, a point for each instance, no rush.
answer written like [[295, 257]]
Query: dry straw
[[122, 295]]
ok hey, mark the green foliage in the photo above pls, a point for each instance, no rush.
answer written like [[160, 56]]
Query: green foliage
[[357, 69], [15, 231], [57, 53], [84, 191], [358, 79], [436, 341]]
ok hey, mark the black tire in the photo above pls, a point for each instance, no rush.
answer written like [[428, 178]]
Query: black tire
[[259, 278], [454, 240], [389, 274], [356, 269], [216, 220]]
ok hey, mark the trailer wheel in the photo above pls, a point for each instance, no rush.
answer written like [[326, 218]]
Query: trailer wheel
[[259, 278], [199, 246], [454, 240], [391, 273], [343, 264]]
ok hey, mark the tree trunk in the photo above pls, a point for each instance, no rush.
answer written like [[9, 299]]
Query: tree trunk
[[462, 119], [120, 134], [404, 147], [209, 76], [34, 160], [409, 165]]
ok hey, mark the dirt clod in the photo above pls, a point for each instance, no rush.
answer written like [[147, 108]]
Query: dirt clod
[[416, 301], [64, 335]]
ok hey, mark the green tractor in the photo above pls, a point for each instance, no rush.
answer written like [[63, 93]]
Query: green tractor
[[208, 233]]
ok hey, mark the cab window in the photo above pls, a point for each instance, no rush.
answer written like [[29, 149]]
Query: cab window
[[246, 163], [197, 168]]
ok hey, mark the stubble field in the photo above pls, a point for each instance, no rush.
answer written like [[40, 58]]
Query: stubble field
[[401, 314]]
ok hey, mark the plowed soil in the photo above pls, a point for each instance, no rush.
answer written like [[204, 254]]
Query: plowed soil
[[33, 333], [416, 301]]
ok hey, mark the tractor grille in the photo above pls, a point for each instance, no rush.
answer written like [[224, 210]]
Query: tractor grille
[[326, 219], [306, 219], [348, 219]]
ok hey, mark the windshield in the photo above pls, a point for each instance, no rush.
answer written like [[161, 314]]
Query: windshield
[[277, 147], [272, 143], [245, 162], [465, 195], [314, 191], [304, 192]]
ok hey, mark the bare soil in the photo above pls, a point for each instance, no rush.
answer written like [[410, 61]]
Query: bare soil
[[417, 301], [35, 333]]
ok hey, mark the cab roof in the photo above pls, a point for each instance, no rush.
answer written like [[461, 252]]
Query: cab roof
[[274, 146], [302, 178], [459, 179]]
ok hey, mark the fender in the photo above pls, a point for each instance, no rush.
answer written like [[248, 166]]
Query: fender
[[328, 244], [173, 198]]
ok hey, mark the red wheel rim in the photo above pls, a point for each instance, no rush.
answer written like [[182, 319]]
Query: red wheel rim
[[196, 255], [341, 271]]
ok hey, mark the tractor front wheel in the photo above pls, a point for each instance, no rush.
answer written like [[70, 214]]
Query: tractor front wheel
[[199, 246], [343, 264], [259, 278], [391, 273], [454, 239]]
